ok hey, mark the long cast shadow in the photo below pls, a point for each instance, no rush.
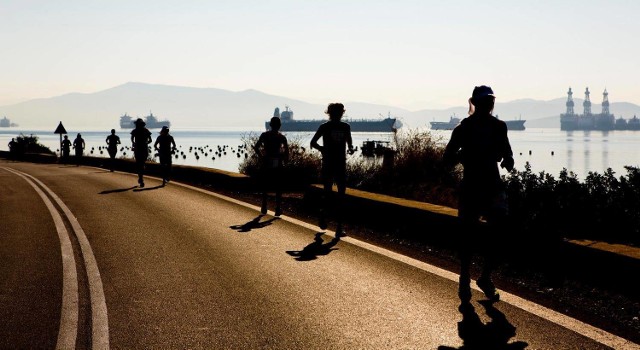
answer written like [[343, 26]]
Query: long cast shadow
[[147, 188], [118, 190], [313, 250], [253, 224], [476, 335]]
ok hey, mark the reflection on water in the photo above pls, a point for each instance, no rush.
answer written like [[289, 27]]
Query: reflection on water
[[605, 154], [570, 150], [587, 154]]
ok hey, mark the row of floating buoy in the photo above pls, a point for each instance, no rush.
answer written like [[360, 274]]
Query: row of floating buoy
[[552, 152], [216, 152], [204, 151]]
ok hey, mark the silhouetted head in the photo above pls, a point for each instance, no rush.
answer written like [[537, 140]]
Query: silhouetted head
[[113, 131], [164, 130], [66, 137], [140, 123], [275, 123], [335, 111], [79, 135], [482, 100]]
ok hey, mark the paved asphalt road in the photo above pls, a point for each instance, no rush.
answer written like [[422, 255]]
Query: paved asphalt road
[[91, 261]]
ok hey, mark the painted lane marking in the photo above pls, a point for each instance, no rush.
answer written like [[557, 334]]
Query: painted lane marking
[[99, 316], [68, 331], [591, 332]]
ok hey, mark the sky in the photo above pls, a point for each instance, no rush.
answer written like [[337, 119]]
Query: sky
[[412, 54]]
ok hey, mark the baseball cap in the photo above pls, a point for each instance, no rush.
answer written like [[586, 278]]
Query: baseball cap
[[482, 91]]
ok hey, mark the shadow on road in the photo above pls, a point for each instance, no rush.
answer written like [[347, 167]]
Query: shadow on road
[[477, 335], [118, 190], [253, 224], [313, 250], [147, 188]]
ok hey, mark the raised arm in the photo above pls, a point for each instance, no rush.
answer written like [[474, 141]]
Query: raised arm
[[349, 141], [258, 145], [507, 153], [315, 138], [450, 156], [285, 144]]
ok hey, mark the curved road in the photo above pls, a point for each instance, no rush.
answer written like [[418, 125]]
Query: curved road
[[90, 261]]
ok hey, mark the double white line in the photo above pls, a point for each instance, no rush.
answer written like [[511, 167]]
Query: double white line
[[68, 332]]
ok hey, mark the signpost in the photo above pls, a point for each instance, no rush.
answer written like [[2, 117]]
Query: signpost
[[60, 130]]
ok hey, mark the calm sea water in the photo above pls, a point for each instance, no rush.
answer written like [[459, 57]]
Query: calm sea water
[[548, 150]]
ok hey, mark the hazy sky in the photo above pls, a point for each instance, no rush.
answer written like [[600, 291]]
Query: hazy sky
[[412, 54]]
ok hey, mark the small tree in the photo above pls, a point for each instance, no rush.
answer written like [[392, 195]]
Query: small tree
[[30, 144]]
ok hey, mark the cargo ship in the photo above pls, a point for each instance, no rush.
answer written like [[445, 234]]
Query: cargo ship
[[6, 123], [385, 124], [515, 124], [127, 122], [604, 121]]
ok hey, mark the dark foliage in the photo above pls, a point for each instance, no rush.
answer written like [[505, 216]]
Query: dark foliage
[[302, 168], [412, 170], [603, 207], [30, 144]]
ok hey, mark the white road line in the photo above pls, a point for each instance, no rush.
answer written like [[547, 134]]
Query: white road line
[[565, 321], [68, 331], [99, 317]]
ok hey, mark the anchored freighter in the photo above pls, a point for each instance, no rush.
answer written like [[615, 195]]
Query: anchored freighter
[[151, 121], [385, 124]]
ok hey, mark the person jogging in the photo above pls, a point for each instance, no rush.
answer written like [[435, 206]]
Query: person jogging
[[273, 149], [140, 139], [336, 142], [479, 142], [112, 141], [165, 145]]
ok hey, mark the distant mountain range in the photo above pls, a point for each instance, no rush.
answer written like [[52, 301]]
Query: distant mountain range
[[188, 107]]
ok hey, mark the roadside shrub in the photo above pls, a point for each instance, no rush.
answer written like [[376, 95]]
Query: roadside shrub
[[603, 207], [415, 172], [303, 166], [30, 144]]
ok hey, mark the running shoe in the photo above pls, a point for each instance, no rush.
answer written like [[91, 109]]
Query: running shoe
[[487, 287]]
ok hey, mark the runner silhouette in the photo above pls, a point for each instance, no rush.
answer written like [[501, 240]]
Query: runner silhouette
[[336, 142], [79, 146], [273, 149], [479, 142], [140, 139], [112, 141], [165, 145]]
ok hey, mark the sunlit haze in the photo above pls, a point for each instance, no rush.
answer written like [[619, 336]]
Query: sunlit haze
[[410, 54]]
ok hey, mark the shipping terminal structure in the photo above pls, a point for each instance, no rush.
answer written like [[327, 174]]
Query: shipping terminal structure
[[605, 121], [388, 124]]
